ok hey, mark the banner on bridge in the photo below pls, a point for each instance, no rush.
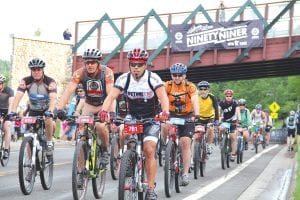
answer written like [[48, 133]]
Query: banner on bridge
[[217, 35]]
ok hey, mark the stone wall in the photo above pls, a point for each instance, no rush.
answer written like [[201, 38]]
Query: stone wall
[[57, 56]]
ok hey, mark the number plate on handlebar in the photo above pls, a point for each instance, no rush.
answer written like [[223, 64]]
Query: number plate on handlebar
[[177, 121], [85, 120], [133, 129], [28, 120], [199, 128], [225, 125]]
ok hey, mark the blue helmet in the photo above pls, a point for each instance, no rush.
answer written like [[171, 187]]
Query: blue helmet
[[178, 68], [258, 106]]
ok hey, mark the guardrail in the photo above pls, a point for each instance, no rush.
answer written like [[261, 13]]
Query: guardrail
[[278, 136]]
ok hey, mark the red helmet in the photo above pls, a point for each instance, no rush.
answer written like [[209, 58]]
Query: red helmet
[[228, 92], [138, 54]]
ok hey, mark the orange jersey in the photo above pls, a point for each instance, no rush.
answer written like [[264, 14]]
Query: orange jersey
[[180, 102]]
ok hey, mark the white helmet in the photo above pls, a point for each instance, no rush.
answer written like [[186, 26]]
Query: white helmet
[[292, 113], [2, 78]]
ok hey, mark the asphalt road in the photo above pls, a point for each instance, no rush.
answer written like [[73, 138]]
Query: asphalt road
[[266, 175]]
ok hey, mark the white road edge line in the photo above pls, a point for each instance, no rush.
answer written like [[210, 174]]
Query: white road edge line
[[210, 187]]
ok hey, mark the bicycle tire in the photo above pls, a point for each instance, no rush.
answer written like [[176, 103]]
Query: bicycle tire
[[46, 172], [169, 168], [98, 182], [80, 155], [127, 177], [196, 157], [178, 171], [223, 152], [160, 152], [256, 139], [264, 142], [238, 150], [203, 158], [114, 158], [3, 161], [228, 151], [25, 166]]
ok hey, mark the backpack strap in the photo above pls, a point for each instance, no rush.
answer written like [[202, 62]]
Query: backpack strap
[[149, 82], [127, 83]]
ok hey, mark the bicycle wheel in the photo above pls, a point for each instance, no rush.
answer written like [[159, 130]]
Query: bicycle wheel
[[238, 150], [79, 173], [263, 143], [160, 152], [228, 151], [178, 170], [256, 141], [169, 168], [114, 158], [98, 182], [27, 169], [46, 172], [127, 179], [223, 151], [196, 159], [4, 162], [203, 155]]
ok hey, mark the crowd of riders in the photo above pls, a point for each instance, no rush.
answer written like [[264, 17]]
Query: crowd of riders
[[142, 94]]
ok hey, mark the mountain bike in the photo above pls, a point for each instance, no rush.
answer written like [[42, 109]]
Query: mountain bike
[[173, 168], [240, 145], [200, 149], [225, 145], [132, 180], [259, 137], [33, 156], [3, 161], [86, 160]]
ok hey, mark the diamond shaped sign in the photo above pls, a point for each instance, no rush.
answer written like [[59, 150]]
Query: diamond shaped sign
[[274, 107]]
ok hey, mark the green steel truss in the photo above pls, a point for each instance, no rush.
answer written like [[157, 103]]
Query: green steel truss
[[167, 41]]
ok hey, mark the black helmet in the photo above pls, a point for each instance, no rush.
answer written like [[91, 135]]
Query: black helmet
[[36, 63], [92, 54], [203, 84]]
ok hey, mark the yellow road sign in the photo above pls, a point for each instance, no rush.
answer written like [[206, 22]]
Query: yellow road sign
[[274, 107], [274, 115]]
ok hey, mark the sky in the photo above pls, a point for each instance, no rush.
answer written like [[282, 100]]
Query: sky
[[52, 17]]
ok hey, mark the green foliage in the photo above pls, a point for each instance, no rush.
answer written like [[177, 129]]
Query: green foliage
[[284, 90]]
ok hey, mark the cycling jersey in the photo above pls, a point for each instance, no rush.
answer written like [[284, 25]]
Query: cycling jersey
[[229, 110], [6, 93], [94, 85], [180, 102], [139, 94], [257, 117], [38, 92], [208, 107]]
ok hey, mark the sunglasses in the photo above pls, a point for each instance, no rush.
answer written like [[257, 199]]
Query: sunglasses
[[36, 69], [90, 62], [203, 89], [228, 96], [242, 104], [177, 75], [79, 90], [136, 64]]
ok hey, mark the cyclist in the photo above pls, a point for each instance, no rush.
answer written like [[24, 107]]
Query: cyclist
[[209, 110], [258, 121], [269, 124], [141, 89], [41, 90], [231, 113], [183, 103], [245, 120], [6, 99], [291, 127], [97, 81]]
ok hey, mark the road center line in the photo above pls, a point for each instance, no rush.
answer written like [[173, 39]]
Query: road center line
[[210, 187]]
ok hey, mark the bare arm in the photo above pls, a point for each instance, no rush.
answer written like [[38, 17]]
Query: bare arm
[[10, 103], [109, 88], [163, 98], [16, 101], [70, 89], [238, 113], [195, 102], [111, 98], [52, 103]]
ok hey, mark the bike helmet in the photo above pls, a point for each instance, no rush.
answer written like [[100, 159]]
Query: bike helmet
[[228, 92], [292, 113], [36, 63], [178, 68], [2, 78], [203, 84], [258, 106], [137, 54], [242, 101], [92, 54]]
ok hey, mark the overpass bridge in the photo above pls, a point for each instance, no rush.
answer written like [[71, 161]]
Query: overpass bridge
[[279, 54]]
